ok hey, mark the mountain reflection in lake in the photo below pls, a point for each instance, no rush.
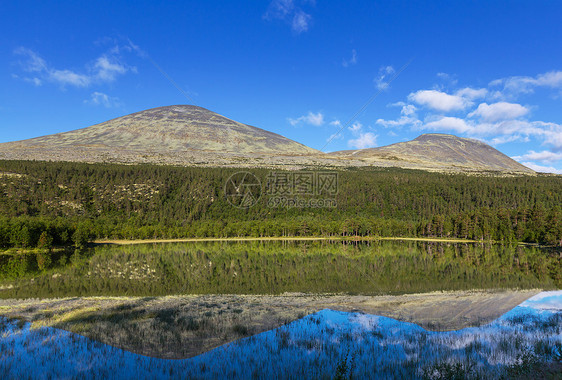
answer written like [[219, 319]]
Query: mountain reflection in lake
[[322, 345]]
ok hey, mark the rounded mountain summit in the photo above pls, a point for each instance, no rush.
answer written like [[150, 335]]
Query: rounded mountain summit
[[172, 129], [191, 135]]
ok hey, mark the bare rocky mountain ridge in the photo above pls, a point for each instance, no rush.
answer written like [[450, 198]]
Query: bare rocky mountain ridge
[[191, 135], [436, 150]]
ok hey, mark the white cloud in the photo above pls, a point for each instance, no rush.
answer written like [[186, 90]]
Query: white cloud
[[352, 60], [439, 101], [549, 133], [503, 128], [356, 128], [552, 79], [449, 124], [279, 9], [301, 21], [544, 156], [496, 122], [99, 98], [33, 62], [35, 81], [408, 116], [516, 85], [290, 13], [335, 123], [507, 139], [502, 131], [316, 119], [553, 135], [365, 140], [472, 93], [542, 169], [67, 77], [402, 121], [382, 80], [105, 69], [508, 127], [408, 109], [499, 111]]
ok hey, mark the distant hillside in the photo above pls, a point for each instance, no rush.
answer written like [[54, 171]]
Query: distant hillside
[[439, 152], [164, 130], [194, 136]]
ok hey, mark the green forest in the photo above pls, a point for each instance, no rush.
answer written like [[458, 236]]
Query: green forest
[[48, 204]]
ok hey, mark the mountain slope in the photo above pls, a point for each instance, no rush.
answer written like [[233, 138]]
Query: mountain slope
[[191, 135], [439, 151], [166, 130]]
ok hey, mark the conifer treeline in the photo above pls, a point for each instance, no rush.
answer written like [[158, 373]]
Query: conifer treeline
[[46, 203]]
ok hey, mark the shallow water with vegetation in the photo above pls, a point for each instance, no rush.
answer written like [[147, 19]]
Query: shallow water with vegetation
[[275, 267], [328, 344]]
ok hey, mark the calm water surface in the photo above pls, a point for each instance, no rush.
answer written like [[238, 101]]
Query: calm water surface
[[273, 267], [321, 345]]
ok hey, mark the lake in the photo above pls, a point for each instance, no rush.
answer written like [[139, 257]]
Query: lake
[[525, 341], [276, 267], [289, 309]]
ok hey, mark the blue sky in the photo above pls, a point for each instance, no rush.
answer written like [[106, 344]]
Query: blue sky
[[490, 70]]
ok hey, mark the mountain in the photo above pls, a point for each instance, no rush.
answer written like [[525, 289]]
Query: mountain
[[440, 152], [167, 130], [191, 135]]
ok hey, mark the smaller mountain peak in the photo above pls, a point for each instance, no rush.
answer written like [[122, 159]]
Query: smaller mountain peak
[[445, 152]]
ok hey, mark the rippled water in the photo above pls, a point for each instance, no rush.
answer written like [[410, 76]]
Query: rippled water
[[320, 345]]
